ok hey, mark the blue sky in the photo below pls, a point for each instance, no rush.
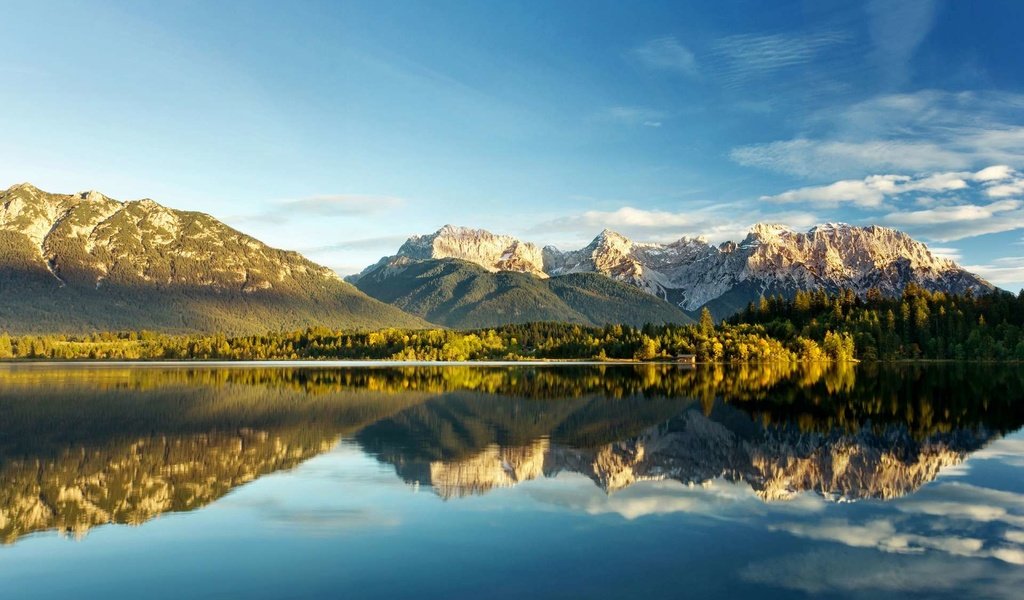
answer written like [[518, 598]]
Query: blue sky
[[340, 128]]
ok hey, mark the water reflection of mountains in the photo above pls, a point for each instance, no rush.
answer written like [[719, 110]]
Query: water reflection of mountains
[[81, 447]]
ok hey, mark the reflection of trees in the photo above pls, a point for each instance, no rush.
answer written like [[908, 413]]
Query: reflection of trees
[[79, 448], [83, 446], [925, 399]]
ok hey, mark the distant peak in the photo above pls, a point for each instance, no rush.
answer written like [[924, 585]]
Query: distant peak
[[609, 235], [459, 230], [93, 196], [769, 229], [831, 227], [24, 186], [686, 240]]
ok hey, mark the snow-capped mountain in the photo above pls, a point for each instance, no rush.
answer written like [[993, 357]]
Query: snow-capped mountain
[[691, 272]]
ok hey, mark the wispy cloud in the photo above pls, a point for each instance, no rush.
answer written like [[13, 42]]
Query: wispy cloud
[[874, 189], [667, 54], [924, 131], [959, 508], [807, 157], [386, 243], [741, 57], [331, 205], [866, 574], [946, 252], [949, 223], [959, 214], [955, 204], [1003, 272], [634, 115], [897, 29], [716, 223], [326, 206]]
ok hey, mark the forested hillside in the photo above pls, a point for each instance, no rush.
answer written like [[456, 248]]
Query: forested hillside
[[463, 295]]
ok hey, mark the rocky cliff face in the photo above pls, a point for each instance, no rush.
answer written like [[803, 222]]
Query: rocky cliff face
[[692, 273], [778, 463], [490, 251]]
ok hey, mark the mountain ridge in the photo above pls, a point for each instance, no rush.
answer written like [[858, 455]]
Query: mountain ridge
[[692, 273], [464, 295], [87, 262]]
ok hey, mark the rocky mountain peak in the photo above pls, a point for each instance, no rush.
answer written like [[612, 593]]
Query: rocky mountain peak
[[691, 273], [24, 186], [766, 232], [93, 196], [611, 241], [493, 252]]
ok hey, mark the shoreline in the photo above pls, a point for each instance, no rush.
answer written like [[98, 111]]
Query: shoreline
[[387, 363], [322, 363]]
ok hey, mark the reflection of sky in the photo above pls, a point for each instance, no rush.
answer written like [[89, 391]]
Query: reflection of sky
[[343, 524]]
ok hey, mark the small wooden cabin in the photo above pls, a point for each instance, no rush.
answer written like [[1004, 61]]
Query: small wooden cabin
[[688, 359]]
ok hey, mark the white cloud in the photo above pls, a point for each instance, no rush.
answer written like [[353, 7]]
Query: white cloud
[[953, 207], [994, 173], [717, 224], [868, 192], [666, 53], [1004, 272], [928, 130], [945, 252], [873, 190], [1004, 190], [1001, 181], [637, 217], [949, 223], [946, 214]]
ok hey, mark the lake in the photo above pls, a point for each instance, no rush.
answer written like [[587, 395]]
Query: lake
[[535, 481]]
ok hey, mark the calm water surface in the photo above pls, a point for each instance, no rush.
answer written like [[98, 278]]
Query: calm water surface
[[509, 482]]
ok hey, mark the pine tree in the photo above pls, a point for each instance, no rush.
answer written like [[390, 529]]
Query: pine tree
[[707, 322]]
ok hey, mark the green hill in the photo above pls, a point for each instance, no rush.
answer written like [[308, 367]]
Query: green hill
[[464, 295]]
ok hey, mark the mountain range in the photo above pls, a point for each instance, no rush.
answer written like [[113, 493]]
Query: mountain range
[[85, 262], [692, 273]]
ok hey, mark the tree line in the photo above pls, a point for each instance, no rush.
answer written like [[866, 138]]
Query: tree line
[[811, 326], [919, 324]]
